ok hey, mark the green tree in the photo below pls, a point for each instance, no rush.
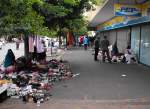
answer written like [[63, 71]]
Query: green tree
[[44, 17], [18, 16], [71, 18], [14, 15]]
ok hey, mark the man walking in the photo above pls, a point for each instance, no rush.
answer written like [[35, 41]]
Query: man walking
[[96, 48], [85, 42], [104, 46]]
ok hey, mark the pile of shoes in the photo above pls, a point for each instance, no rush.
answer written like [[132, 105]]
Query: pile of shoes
[[34, 83], [59, 71]]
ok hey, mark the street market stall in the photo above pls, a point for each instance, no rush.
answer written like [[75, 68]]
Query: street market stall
[[33, 82]]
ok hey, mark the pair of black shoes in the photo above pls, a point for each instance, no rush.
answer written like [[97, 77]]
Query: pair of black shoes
[[96, 60], [108, 61]]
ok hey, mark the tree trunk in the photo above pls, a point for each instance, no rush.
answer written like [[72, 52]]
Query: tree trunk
[[26, 45], [60, 42]]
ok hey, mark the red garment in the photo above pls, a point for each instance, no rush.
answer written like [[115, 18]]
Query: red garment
[[81, 39], [31, 45], [69, 38]]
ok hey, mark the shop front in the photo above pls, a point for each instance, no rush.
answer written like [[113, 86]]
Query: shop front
[[140, 42], [123, 39], [130, 25], [135, 40], [145, 45]]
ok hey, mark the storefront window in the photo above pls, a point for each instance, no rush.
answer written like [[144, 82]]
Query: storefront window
[[145, 45], [135, 40], [148, 11]]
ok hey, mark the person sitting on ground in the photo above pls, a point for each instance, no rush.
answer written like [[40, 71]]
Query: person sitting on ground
[[114, 52], [129, 55], [9, 61], [115, 49]]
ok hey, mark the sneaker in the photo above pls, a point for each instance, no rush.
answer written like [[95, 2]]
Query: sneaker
[[109, 61]]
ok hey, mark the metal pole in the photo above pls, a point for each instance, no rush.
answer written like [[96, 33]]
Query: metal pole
[[51, 47]]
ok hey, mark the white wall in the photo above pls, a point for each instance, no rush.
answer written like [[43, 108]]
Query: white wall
[[121, 35], [123, 38], [112, 37]]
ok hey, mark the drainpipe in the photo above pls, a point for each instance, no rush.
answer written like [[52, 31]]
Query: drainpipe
[[129, 42], [140, 43]]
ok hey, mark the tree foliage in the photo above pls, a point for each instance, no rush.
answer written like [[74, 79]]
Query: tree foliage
[[43, 16], [18, 15], [73, 20]]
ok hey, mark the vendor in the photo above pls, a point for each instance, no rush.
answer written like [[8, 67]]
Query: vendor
[[129, 55], [9, 60], [114, 51], [42, 52]]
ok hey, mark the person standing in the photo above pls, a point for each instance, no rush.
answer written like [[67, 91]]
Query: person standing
[[96, 48], [85, 42], [104, 46], [42, 54], [81, 40], [17, 43]]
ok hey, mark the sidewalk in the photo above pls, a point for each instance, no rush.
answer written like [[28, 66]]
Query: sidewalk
[[98, 86], [58, 55], [104, 81]]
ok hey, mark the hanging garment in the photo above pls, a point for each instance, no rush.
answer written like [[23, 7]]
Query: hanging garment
[[31, 44], [69, 38], [39, 45]]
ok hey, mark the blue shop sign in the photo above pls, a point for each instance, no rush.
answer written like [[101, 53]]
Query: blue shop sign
[[127, 10]]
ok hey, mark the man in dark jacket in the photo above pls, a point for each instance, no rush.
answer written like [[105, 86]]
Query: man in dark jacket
[[96, 43], [104, 46]]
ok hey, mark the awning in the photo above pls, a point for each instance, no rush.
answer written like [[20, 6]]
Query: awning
[[104, 14], [133, 22], [107, 11]]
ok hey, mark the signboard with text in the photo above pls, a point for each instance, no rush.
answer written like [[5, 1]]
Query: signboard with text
[[127, 10]]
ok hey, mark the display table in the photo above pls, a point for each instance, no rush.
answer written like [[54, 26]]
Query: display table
[[3, 92], [3, 88]]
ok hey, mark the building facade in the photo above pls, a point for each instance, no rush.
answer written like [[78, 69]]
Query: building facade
[[129, 25]]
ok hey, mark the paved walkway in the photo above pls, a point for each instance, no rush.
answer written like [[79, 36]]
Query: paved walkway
[[99, 86], [103, 81]]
